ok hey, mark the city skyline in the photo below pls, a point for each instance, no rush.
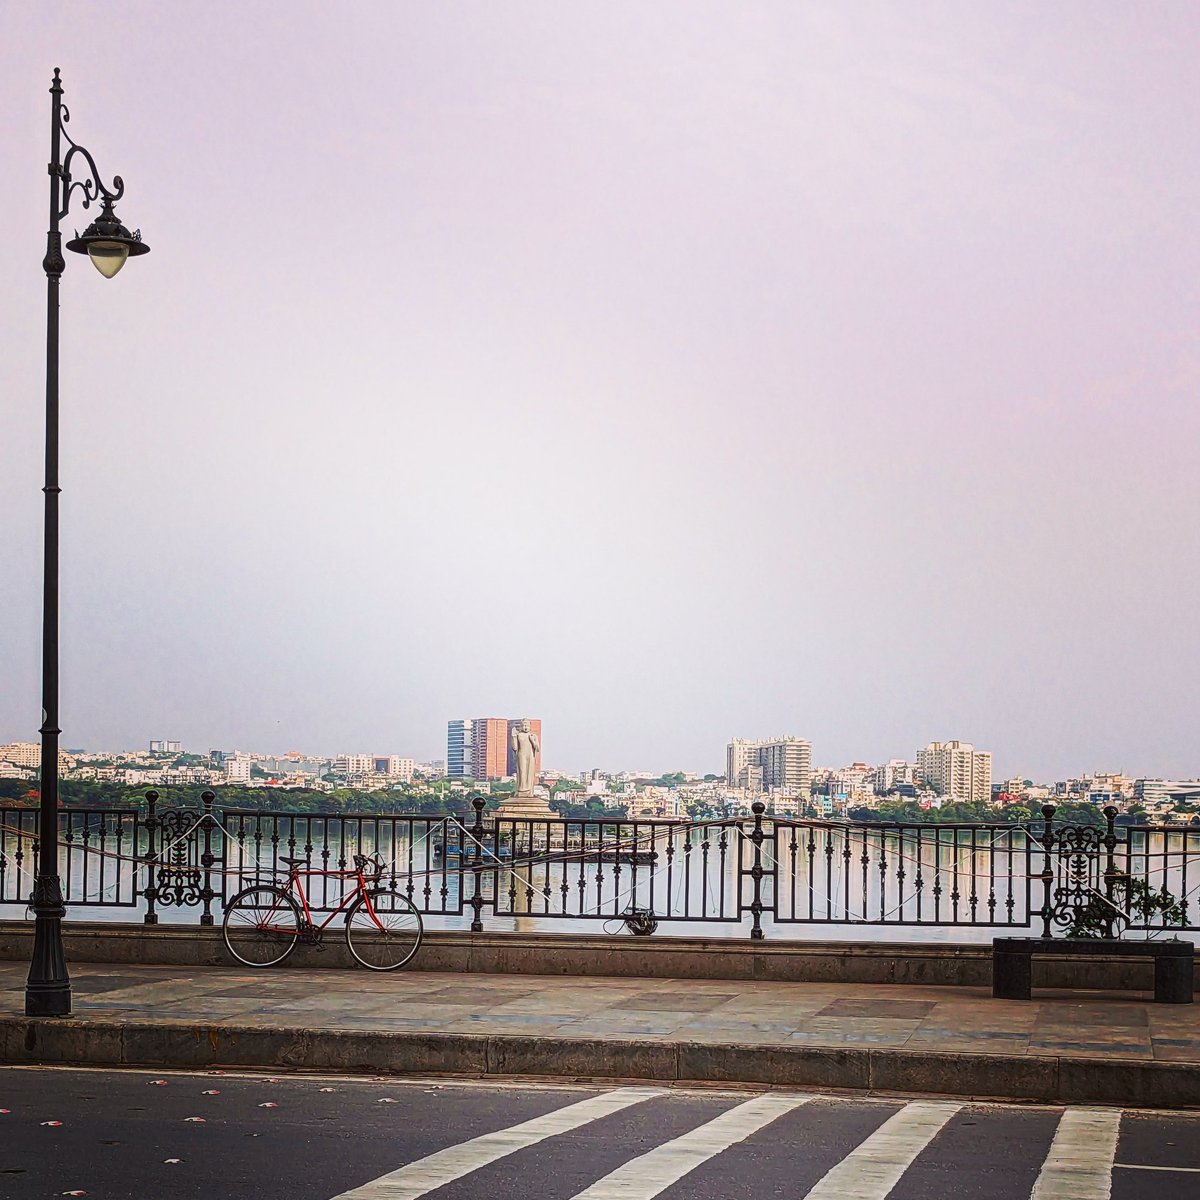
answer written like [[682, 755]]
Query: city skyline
[[808, 762], [779, 367]]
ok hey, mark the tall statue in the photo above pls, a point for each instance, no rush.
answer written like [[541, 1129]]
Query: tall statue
[[525, 747]]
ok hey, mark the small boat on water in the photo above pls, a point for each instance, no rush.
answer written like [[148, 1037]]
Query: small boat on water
[[639, 858], [465, 856], [455, 852]]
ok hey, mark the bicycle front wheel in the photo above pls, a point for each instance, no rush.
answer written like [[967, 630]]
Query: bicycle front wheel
[[261, 926], [383, 930]]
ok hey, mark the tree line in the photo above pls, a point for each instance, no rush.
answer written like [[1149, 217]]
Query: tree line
[[432, 798]]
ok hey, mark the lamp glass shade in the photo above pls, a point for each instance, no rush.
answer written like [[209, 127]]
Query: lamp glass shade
[[108, 257]]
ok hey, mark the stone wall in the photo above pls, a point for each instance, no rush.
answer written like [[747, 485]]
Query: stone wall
[[943, 965]]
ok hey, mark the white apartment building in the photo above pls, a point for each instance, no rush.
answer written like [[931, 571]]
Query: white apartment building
[[851, 779], [396, 767], [956, 770], [893, 773], [1160, 791], [784, 762], [739, 754], [29, 754], [351, 765], [654, 802], [237, 769], [781, 804], [392, 768]]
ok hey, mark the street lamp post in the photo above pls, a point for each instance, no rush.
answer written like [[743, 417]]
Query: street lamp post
[[108, 244]]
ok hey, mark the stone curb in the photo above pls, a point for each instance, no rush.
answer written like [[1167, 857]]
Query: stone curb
[[179, 1045]]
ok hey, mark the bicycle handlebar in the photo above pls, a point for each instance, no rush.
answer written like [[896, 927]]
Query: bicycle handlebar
[[363, 861]]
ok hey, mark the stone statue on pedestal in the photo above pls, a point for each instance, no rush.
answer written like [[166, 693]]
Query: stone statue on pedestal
[[525, 747], [525, 804]]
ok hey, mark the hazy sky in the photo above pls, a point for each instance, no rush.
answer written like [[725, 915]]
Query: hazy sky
[[669, 371]]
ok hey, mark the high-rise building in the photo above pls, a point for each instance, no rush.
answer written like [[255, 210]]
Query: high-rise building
[[957, 770], [480, 748], [489, 750], [785, 762], [739, 754], [459, 748]]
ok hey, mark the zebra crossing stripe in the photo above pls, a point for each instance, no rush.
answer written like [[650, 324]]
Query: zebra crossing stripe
[[1080, 1162], [1148, 1167], [445, 1166], [652, 1172], [874, 1167]]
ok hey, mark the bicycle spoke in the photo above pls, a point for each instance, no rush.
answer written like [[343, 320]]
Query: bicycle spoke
[[383, 930], [261, 925]]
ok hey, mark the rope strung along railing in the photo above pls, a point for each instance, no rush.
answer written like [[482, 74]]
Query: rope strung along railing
[[750, 875]]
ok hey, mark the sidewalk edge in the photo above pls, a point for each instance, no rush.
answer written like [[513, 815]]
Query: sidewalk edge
[[188, 1046]]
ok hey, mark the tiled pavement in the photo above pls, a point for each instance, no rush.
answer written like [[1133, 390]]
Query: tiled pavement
[[954, 1020]]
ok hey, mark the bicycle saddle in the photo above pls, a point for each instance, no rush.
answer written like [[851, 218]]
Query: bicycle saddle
[[293, 862]]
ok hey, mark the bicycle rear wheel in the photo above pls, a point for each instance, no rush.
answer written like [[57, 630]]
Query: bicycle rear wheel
[[383, 930], [261, 926]]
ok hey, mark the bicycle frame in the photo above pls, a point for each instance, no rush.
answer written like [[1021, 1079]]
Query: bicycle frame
[[294, 887]]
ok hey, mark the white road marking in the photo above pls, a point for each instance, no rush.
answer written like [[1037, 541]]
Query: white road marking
[[435, 1170], [1148, 1167], [873, 1168], [1080, 1162], [654, 1171]]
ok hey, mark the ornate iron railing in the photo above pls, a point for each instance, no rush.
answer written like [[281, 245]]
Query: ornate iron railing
[[96, 847], [749, 875]]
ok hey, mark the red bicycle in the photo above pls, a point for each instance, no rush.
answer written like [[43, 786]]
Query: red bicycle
[[264, 921]]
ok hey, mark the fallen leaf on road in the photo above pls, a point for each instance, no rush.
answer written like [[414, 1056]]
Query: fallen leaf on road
[[172, 1160], [158, 1083], [211, 1092], [321, 1089], [73, 1193], [268, 1104], [4, 1111], [387, 1100], [197, 1120], [52, 1124]]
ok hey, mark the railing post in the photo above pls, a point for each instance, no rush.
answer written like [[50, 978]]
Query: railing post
[[1047, 912], [1110, 867], [477, 803], [151, 826], [756, 871], [207, 859]]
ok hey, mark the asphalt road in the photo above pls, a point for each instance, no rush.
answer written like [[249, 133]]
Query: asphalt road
[[127, 1134]]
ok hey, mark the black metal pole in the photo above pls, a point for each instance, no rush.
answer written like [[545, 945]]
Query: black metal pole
[[48, 989]]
